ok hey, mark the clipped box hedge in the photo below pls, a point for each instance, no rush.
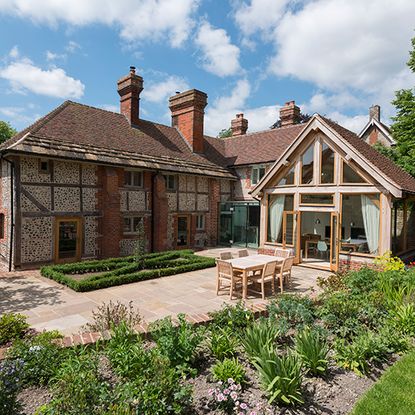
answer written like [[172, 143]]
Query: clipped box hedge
[[118, 271]]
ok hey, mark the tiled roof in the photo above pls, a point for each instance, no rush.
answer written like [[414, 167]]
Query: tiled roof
[[397, 175]]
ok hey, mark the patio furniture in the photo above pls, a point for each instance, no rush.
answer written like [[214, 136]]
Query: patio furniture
[[226, 273], [284, 272], [248, 265], [242, 253], [225, 255], [322, 248], [266, 275], [282, 252]]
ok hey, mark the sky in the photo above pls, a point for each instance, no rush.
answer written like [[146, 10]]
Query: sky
[[333, 57]]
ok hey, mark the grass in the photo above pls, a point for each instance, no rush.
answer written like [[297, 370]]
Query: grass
[[93, 275], [393, 393]]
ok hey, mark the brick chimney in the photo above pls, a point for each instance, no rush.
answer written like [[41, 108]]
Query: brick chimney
[[239, 125], [187, 114], [374, 112], [129, 88], [289, 114]]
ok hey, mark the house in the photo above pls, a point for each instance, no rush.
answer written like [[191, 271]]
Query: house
[[76, 184], [375, 131]]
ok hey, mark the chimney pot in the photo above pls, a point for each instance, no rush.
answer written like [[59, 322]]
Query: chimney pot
[[129, 88], [289, 114], [239, 125], [187, 115]]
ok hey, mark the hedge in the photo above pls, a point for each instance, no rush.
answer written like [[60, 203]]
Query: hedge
[[118, 271]]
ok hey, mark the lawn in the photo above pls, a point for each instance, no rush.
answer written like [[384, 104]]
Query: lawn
[[393, 393], [93, 275]]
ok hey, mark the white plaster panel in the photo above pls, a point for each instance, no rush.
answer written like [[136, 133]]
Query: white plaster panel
[[89, 174], [137, 200], [37, 236], [191, 183], [182, 183], [67, 199], [202, 184], [41, 193], [27, 206], [187, 202], [89, 199], [29, 171], [66, 172], [203, 202]]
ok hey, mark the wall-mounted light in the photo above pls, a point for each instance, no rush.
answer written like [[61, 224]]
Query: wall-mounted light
[[231, 209], [352, 224], [318, 221]]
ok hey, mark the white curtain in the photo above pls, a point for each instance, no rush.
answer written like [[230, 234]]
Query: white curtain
[[370, 212], [275, 211]]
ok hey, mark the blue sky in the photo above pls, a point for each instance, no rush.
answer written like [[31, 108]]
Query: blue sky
[[335, 57]]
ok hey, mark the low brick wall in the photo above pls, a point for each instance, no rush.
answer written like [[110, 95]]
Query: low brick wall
[[142, 329]]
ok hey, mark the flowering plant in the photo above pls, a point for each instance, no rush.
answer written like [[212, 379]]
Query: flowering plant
[[227, 396], [10, 382]]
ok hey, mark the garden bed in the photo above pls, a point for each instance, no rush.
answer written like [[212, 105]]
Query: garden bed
[[93, 275]]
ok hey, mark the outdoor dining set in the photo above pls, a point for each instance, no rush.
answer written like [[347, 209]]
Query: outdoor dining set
[[253, 271]]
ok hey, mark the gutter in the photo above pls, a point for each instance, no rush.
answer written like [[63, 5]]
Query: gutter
[[12, 224]]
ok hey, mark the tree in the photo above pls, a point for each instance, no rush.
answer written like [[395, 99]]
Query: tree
[[403, 127], [225, 132], [6, 131]]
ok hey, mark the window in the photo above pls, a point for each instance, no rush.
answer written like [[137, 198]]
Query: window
[[200, 222], [327, 164], [133, 178], [257, 174], [288, 179], [307, 166], [317, 199], [131, 224], [171, 181], [44, 166], [277, 204], [2, 225], [350, 176], [361, 222]]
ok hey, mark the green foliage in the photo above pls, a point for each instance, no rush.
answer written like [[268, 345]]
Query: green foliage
[[12, 326], [235, 317], [77, 387], [120, 271], [364, 349], [140, 245], [6, 131], [106, 316], [10, 382], [222, 343], [311, 345], [387, 262], [280, 376], [260, 335], [362, 281], [225, 132], [404, 317], [229, 369], [179, 343], [41, 356], [295, 309]]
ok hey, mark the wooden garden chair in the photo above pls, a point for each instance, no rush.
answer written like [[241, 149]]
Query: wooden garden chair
[[243, 253], [267, 275], [226, 273]]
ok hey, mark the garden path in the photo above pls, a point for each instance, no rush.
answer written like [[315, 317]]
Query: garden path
[[49, 305]]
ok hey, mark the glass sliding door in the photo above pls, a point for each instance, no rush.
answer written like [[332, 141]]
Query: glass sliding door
[[240, 217]]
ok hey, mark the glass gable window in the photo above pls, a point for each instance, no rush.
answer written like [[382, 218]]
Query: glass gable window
[[257, 174], [327, 164], [277, 204], [361, 223], [307, 166], [288, 179], [350, 176], [317, 199]]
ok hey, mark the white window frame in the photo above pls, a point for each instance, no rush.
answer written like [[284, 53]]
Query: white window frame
[[131, 219], [132, 174], [256, 174], [200, 222]]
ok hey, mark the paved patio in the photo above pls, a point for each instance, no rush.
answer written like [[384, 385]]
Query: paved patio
[[49, 305]]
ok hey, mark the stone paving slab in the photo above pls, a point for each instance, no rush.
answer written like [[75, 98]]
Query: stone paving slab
[[49, 305]]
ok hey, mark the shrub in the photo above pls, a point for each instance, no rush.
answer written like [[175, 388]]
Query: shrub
[[261, 335], [363, 280], [229, 369], [295, 309], [358, 354], [10, 382], [178, 343], [404, 317], [110, 315], [222, 343], [41, 356], [313, 350], [333, 282], [12, 326], [280, 376], [387, 262], [235, 317]]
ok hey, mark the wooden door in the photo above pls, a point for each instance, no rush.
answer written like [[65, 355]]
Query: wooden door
[[183, 231], [68, 239], [290, 230], [334, 241]]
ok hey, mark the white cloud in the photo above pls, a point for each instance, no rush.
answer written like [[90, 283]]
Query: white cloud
[[109, 107], [24, 76], [50, 56], [161, 91], [72, 46], [224, 109], [14, 52], [338, 44], [137, 19], [220, 56], [18, 116]]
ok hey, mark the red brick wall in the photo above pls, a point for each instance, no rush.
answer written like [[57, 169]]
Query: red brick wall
[[354, 264]]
